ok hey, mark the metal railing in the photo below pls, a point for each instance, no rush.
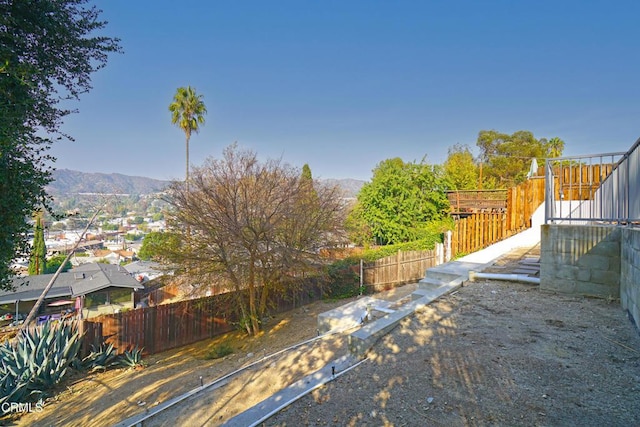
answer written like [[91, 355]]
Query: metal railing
[[603, 188]]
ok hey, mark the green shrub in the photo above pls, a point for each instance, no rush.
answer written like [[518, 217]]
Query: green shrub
[[221, 350], [54, 262], [343, 280], [343, 275]]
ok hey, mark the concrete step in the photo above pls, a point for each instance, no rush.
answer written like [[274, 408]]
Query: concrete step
[[453, 270], [428, 282], [363, 339]]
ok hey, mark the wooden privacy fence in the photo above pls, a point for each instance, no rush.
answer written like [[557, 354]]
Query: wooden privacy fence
[[579, 181], [522, 202], [167, 326], [470, 201], [403, 267], [479, 230], [163, 327]]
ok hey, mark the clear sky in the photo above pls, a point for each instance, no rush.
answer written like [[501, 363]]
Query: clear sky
[[345, 84]]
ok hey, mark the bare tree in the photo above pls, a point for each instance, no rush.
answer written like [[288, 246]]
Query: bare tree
[[254, 224]]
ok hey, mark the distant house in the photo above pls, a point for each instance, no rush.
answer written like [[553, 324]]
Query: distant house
[[157, 226], [124, 255], [144, 271], [158, 283], [93, 288], [105, 256]]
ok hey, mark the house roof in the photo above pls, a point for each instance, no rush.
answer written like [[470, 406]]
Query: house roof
[[123, 253], [102, 253], [140, 267], [82, 280]]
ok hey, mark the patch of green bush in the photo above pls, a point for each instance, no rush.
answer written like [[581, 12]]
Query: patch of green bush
[[343, 280], [219, 351], [344, 274]]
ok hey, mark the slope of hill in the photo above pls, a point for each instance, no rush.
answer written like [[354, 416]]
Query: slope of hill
[[351, 187], [68, 182]]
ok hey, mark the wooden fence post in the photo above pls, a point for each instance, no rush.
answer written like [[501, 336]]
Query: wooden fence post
[[447, 246], [361, 275]]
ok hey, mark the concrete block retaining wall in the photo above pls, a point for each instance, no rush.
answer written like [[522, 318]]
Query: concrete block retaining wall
[[592, 260], [630, 273], [581, 259]]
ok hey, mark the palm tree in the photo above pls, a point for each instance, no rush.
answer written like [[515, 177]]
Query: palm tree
[[187, 112], [555, 147]]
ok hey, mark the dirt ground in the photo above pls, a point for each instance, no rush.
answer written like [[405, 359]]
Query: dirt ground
[[492, 353], [106, 398]]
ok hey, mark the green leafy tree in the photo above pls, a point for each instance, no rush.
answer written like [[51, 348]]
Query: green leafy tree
[[110, 227], [75, 223], [54, 262], [357, 228], [132, 237], [48, 52], [187, 112], [159, 246], [460, 169], [57, 226], [401, 200], [38, 259], [507, 158], [136, 220], [307, 183]]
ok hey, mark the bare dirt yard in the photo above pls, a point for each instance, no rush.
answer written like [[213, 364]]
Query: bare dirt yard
[[492, 353]]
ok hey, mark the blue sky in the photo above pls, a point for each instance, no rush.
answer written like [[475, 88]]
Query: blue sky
[[344, 84]]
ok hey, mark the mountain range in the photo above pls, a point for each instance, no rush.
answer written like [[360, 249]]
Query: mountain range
[[69, 182]]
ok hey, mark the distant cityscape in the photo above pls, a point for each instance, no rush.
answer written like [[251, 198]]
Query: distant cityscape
[[135, 208]]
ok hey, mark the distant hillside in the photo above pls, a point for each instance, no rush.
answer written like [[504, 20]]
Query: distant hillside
[[351, 187], [68, 182]]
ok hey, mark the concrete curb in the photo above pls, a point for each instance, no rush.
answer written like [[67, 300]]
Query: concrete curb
[[272, 405]]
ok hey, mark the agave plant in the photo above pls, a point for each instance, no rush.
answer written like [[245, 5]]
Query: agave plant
[[131, 358], [102, 358], [37, 360]]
